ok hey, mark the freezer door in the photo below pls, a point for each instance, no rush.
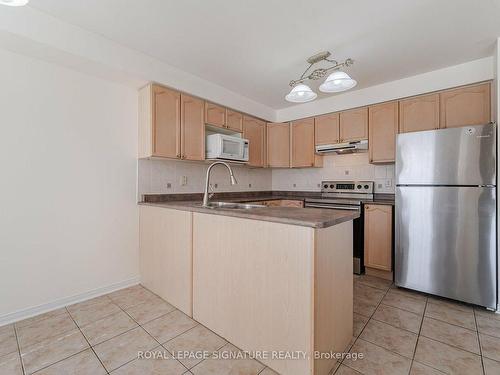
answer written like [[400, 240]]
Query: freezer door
[[445, 242], [458, 156]]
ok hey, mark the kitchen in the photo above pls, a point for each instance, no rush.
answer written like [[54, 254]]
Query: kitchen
[[343, 222]]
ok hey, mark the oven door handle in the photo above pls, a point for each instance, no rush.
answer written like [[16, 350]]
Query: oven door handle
[[315, 205]]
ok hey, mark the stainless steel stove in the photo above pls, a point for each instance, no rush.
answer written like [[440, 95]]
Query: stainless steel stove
[[347, 195]]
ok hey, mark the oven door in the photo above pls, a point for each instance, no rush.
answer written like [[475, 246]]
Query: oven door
[[358, 230]]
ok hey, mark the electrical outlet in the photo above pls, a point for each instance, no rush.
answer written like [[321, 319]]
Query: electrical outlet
[[216, 186], [169, 185], [249, 185], [388, 183], [183, 180], [294, 185], [346, 172], [379, 186]]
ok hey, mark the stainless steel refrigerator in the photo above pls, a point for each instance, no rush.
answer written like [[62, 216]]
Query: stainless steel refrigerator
[[446, 213]]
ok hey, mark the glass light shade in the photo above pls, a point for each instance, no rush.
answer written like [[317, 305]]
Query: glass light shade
[[336, 82], [14, 3], [301, 94]]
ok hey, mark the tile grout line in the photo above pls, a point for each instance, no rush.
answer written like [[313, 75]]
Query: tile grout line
[[19, 349], [90, 346], [360, 333], [150, 335], [479, 342], [419, 332]]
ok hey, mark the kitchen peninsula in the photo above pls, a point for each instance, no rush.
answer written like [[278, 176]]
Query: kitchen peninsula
[[266, 279]]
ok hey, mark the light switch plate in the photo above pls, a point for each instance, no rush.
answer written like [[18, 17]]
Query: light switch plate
[[183, 180]]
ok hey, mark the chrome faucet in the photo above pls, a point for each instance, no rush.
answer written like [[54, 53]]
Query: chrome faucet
[[206, 196]]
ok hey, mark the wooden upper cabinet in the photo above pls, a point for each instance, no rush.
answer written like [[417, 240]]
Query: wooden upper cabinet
[[419, 113], [234, 120], [383, 126], [354, 124], [215, 115], [378, 236], [326, 129], [192, 128], [278, 144], [165, 122], [465, 106], [302, 139], [255, 131]]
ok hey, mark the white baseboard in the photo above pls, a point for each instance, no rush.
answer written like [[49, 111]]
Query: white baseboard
[[46, 307]]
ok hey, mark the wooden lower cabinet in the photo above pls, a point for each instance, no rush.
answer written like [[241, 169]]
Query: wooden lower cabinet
[[166, 254], [383, 127], [278, 145], [378, 237], [267, 286]]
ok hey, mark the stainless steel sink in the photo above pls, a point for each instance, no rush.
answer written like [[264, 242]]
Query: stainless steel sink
[[234, 206]]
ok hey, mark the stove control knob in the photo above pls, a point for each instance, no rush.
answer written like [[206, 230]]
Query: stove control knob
[[366, 186], [332, 186], [359, 186], [325, 186]]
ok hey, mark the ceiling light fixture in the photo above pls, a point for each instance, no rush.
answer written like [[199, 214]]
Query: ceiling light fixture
[[336, 82], [14, 3]]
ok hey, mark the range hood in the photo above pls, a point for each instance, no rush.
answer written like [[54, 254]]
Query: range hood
[[343, 148]]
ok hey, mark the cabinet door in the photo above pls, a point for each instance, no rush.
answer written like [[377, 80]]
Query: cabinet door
[[383, 126], [378, 236], [465, 106], [166, 122], [193, 128], [354, 125], [165, 254], [302, 143], [419, 113], [278, 144], [254, 130], [234, 120], [215, 115], [326, 129]]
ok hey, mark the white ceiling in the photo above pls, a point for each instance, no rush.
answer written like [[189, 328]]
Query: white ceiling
[[255, 48]]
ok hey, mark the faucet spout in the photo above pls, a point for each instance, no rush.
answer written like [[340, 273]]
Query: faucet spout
[[232, 179]]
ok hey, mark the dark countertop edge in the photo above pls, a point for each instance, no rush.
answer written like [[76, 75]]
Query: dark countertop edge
[[184, 206], [381, 198]]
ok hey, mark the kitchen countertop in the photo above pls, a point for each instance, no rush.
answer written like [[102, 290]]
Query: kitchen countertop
[[306, 217]]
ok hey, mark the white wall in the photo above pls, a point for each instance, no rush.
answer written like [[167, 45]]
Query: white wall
[[68, 214], [155, 175], [336, 167]]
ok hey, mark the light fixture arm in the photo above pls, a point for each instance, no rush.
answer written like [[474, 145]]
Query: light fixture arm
[[321, 72]]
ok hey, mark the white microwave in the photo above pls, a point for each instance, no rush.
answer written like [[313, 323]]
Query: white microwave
[[226, 147]]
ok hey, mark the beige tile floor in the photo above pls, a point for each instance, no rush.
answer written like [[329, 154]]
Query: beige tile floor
[[398, 331]]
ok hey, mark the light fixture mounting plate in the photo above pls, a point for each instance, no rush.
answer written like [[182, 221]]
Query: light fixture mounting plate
[[318, 57]]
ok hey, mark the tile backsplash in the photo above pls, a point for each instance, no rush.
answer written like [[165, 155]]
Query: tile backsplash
[[336, 167], [156, 176]]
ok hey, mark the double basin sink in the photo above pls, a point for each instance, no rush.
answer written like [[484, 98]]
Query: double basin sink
[[234, 205]]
